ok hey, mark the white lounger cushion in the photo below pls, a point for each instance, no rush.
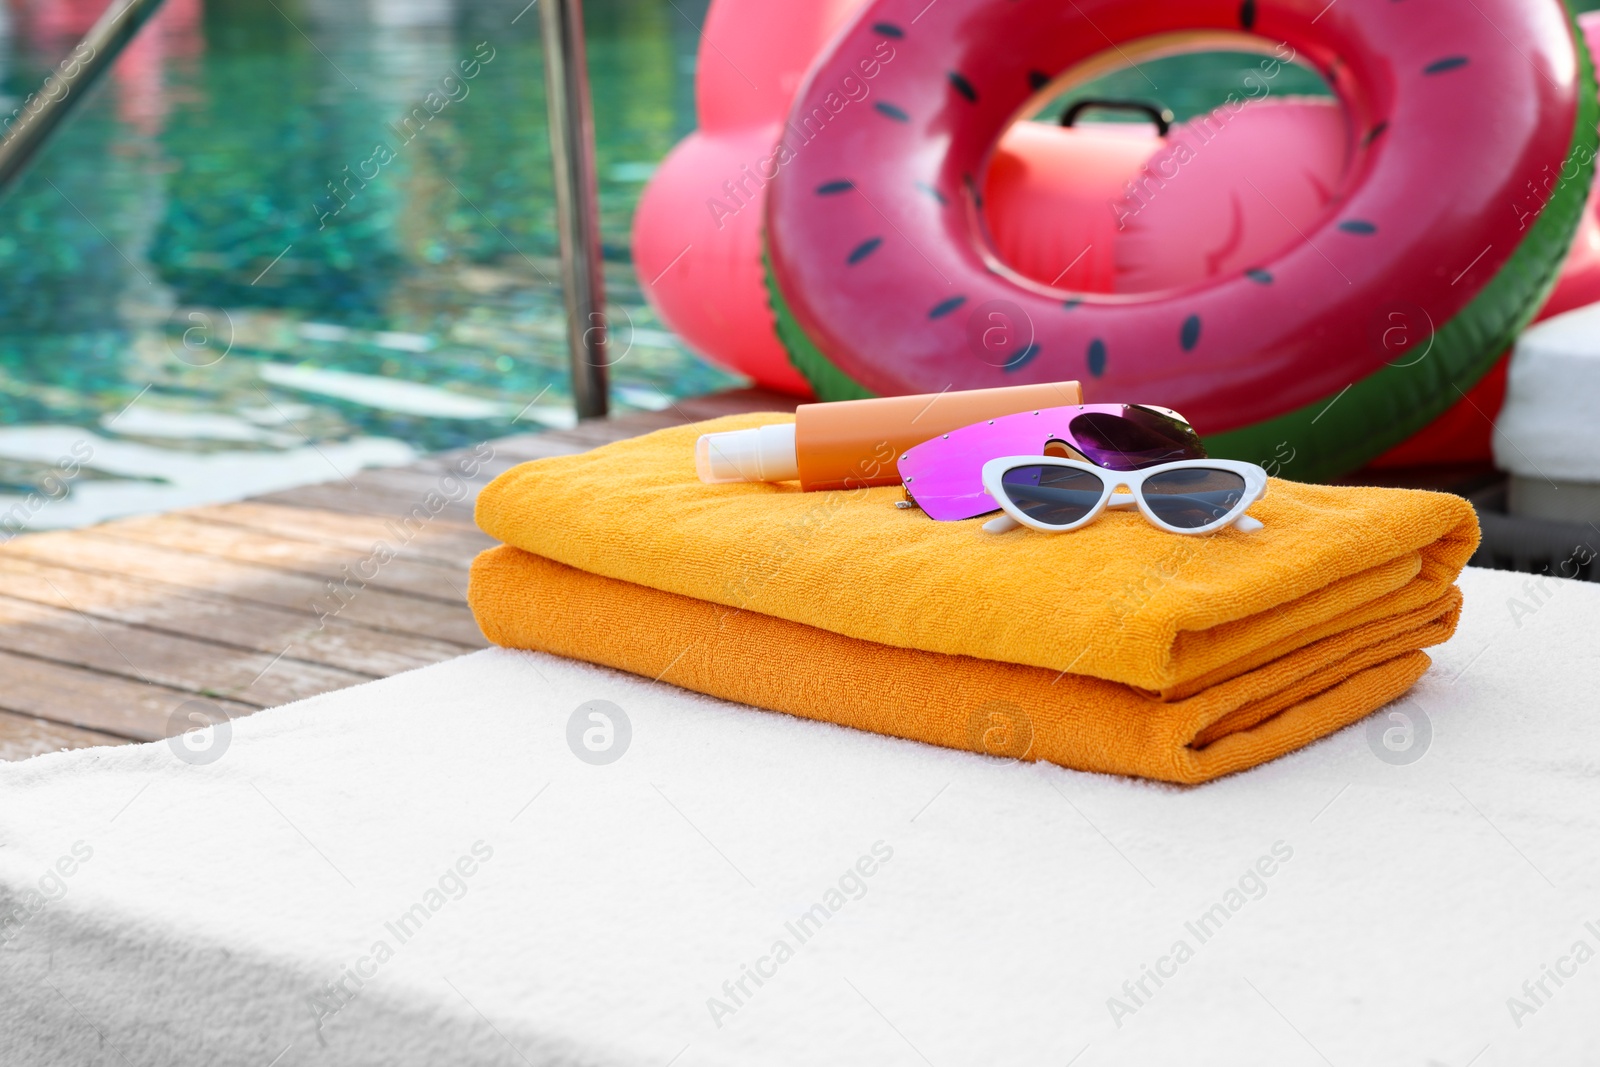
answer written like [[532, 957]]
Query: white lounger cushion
[[1007, 904], [1549, 427]]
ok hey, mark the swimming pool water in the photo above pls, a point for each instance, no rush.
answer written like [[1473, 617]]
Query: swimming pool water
[[262, 255]]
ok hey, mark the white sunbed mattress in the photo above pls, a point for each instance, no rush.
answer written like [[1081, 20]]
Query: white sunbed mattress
[[422, 871]]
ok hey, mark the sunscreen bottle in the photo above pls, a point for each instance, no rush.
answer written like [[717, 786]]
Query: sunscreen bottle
[[849, 444]]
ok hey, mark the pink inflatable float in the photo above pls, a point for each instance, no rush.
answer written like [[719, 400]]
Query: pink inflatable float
[[697, 234], [1050, 201]]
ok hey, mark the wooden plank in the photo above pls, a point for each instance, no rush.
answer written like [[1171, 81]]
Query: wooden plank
[[184, 663], [432, 496], [105, 632], [258, 627], [22, 736], [507, 453], [378, 608], [628, 424], [367, 498], [89, 700], [444, 542], [372, 563]]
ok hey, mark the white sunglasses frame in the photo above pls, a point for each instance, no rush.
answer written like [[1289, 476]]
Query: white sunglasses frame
[[1255, 487]]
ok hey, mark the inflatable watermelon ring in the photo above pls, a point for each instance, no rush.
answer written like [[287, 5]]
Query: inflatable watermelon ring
[[1474, 145]]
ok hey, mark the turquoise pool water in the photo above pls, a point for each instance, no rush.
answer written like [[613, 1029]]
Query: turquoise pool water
[[250, 261], [188, 310]]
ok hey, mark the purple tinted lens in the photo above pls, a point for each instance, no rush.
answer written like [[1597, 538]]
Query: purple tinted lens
[[1134, 438], [945, 475]]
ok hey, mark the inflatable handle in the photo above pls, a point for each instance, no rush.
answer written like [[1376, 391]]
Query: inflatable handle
[[1162, 117]]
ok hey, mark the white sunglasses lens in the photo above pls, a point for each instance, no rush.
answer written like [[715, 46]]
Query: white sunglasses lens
[[1192, 497], [1054, 496]]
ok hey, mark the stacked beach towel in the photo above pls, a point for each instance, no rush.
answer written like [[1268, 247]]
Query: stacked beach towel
[[1116, 648]]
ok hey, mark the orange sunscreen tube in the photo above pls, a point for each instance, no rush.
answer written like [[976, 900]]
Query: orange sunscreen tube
[[849, 444]]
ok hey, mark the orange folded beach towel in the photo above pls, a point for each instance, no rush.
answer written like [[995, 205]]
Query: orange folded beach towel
[[1123, 648]]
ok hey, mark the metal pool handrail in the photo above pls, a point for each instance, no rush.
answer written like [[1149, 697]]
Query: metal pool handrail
[[39, 115], [566, 78], [571, 153]]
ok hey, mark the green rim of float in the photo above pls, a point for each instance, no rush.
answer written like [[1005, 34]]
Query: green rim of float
[[827, 381], [1339, 433]]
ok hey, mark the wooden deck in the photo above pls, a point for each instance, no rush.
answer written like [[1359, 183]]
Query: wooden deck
[[106, 632]]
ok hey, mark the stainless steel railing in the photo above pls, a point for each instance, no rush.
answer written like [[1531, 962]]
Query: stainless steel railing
[[69, 83], [571, 150], [566, 78]]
